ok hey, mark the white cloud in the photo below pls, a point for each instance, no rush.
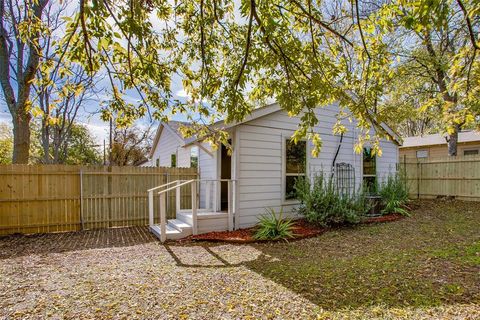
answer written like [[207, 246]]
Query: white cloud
[[182, 94]]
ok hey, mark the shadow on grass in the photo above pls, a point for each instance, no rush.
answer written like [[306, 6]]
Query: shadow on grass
[[14, 246], [428, 260]]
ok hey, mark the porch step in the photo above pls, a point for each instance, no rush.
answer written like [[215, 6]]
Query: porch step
[[186, 216], [171, 231], [207, 221], [175, 228], [180, 225]]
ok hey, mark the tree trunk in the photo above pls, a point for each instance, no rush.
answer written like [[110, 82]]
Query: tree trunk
[[46, 141], [21, 137], [453, 141]]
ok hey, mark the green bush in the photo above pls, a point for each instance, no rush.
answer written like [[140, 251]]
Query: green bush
[[394, 195], [274, 227], [322, 204]]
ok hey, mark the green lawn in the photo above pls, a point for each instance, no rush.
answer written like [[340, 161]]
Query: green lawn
[[429, 259]]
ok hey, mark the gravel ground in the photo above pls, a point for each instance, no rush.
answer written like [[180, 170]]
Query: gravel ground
[[127, 273]]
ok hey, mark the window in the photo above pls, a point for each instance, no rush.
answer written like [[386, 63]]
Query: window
[[369, 170], [194, 157], [157, 162], [173, 160], [471, 152], [422, 154], [295, 166]]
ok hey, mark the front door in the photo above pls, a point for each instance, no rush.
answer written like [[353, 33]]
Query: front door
[[225, 173]]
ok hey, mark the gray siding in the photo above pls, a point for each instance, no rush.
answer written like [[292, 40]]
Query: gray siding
[[260, 169], [167, 145]]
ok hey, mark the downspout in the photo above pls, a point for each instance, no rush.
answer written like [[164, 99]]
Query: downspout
[[336, 155]]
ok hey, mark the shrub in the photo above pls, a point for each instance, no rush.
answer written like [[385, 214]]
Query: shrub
[[322, 204], [394, 195], [274, 227]]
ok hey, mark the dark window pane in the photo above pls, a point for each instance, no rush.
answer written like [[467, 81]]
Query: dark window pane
[[194, 162], [470, 152], [370, 185], [296, 156], [369, 162], [290, 187], [173, 161]]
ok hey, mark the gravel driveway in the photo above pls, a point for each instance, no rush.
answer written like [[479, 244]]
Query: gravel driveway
[[127, 273]]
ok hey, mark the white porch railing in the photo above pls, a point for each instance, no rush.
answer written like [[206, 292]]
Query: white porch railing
[[212, 204]]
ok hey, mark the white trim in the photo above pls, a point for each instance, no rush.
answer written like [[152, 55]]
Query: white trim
[[236, 174], [218, 186], [199, 144], [361, 167], [155, 140], [175, 133], [158, 134]]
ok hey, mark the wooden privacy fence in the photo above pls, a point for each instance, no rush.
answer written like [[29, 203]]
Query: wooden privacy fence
[[52, 198], [457, 177]]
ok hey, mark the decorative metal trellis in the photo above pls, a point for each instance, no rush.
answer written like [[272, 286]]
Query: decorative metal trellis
[[345, 178]]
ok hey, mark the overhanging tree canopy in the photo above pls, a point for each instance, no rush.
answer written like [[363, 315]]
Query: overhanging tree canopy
[[301, 53]]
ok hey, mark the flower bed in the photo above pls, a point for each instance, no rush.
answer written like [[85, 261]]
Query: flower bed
[[302, 229]]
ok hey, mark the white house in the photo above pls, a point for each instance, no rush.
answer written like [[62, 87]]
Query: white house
[[168, 149], [264, 165]]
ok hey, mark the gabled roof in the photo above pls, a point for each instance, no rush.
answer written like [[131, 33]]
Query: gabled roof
[[274, 107], [173, 127], [439, 139]]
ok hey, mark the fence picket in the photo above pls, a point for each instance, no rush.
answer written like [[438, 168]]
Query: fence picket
[[457, 177], [46, 198]]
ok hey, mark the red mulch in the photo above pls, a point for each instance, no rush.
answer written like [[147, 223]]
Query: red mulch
[[386, 218], [301, 229]]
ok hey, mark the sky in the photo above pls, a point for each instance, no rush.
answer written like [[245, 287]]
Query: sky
[[90, 116]]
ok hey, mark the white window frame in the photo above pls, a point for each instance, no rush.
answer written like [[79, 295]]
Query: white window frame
[[422, 150], [286, 137]]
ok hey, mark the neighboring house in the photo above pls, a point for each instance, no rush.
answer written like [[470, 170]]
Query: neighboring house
[[265, 165], [144, 163], [435, 145], [168, 148]]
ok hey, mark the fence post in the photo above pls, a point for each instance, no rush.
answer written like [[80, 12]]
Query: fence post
[[418, 179], [81, 200], [150, 208]]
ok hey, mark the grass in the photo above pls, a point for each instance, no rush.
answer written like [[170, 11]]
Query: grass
[[429, 259]]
